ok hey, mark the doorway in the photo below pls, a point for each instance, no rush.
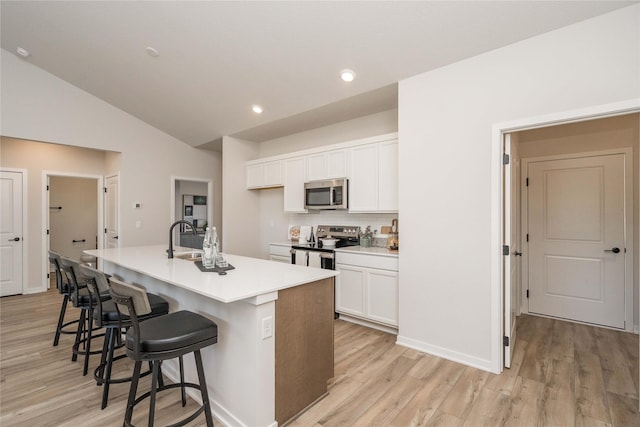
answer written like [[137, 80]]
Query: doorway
[[501, 281], [191, 200], [72, 215]]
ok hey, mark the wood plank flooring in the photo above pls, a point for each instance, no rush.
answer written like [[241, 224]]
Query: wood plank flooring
[[563, 374]]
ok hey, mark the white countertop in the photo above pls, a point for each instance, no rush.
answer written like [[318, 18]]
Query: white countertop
[[369, 251], [250, 278]]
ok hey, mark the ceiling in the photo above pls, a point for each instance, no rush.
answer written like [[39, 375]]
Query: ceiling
[[218, 58]]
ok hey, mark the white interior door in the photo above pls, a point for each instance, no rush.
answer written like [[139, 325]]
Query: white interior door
[[510, 233], [576, 239], [11, 233], [111, 225]]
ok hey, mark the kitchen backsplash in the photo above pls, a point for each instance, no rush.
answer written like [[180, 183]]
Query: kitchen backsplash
[[376, 221]]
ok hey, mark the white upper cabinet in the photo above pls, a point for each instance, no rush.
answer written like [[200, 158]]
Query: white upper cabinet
[[264, 174], [388, 176], [327, 165], [373, 179], [363, 180], [294, 178], [370, 165]]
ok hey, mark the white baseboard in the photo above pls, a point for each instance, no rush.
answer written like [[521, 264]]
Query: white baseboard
[[373, 325], [454, 356], [170, 370]]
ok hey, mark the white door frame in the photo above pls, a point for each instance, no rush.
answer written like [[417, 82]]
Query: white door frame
[[497, 259], [25, 224], [45, 215], [628, 226]]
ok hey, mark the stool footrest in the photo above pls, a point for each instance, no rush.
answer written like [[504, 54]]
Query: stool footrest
[[182, 422]]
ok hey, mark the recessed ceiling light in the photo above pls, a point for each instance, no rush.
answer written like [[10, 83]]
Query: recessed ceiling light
[[257, 109], [347, 75], [23, 52], [152, 52]]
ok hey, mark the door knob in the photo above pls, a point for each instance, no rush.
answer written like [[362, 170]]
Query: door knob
[[614, 250], [15, 239]]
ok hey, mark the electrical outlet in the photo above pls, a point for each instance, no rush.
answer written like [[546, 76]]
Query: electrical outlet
[[267, 327]]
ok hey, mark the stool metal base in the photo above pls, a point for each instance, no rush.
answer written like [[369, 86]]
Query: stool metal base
[[60, 328], [102, 374], [84, 335], [157, 386]]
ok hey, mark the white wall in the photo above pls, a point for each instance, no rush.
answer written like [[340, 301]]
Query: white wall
[[240, 216], [38, 106], [445, 124]]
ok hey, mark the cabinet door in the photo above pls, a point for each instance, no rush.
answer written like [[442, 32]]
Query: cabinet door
[[336, 164], [294, 171], [254, 176], [363, 179], [350, 286], [316, 167], [388, 176], [273, 173], [382, 296]]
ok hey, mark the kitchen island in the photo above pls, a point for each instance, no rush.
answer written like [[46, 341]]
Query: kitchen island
[[275, 328]]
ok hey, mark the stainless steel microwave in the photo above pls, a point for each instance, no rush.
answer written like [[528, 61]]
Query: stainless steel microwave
[[329, 194]]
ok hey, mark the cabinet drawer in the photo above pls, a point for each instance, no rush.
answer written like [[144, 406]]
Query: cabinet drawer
[[367, 260], [280, 250]]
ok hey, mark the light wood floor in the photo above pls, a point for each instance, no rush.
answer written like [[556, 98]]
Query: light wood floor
[[564, 374]]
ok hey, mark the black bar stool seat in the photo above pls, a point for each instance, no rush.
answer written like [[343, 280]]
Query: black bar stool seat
[[161, 338], [173, 335]]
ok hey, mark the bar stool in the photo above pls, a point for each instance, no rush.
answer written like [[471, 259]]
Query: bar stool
[[65, 289], [161, 338], [83, 299], [105, 315]]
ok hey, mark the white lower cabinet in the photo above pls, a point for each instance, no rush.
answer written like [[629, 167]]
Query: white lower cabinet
[[366, 293]]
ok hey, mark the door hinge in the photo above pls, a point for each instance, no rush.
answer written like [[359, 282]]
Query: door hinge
[[105, 231], [526, 183], [527, 237], [105, 189], [527, 293], [505, 341], [48, 277], [47, 188], [47, 231], [505, 159], [505, 249]]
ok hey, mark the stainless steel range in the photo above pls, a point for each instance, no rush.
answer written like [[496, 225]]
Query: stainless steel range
[[317, 254]]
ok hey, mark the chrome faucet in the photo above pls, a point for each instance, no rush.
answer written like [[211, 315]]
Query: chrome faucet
[[182, 221]]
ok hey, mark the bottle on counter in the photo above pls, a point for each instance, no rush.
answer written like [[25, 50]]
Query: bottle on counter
[[209, 248]]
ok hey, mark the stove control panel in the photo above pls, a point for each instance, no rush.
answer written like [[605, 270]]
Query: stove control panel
[[338, 231]]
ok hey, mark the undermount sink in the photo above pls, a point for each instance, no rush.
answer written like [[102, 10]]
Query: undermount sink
[[189, 256]]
